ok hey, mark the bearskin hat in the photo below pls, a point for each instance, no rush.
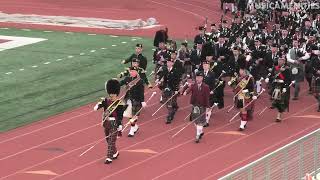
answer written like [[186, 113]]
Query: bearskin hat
[[160, 36], [113, 86]]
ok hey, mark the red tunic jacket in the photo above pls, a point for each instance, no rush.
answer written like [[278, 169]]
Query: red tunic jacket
[[200, 98]]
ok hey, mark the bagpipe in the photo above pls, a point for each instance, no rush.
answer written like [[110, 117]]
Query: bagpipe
[[233, 80], [128, 111], [276, 74], [111, 108]]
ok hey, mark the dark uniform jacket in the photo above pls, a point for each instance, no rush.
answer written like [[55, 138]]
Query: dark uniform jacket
[[143, 60], [136, 92]]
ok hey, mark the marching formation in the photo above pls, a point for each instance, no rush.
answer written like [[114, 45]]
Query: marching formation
[[249, 55]]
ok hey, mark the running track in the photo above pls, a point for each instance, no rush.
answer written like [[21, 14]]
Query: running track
[[55, 144]]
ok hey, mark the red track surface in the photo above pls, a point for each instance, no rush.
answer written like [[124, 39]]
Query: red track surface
[[3, 40], [56, 143]]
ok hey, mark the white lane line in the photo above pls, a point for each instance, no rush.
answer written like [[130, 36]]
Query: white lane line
[[25, 29], [59, 60], [4, 28], [47, 31], [93, 51], [34, 66], [8, 73], [113, 36], [92, 34], [47, 63], [68, 32], [124, 42], [113, 45], [81, 54], [133, 39], [103, 48], [21, 69], [70, 57]]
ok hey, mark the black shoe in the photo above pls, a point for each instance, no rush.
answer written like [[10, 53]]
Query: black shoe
[[201, 135], [168, 122], [115, 156], [206, 125], [130, 135], [278, 120], [108, 161]]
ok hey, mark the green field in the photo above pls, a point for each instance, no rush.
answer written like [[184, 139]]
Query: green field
[[52, 81]]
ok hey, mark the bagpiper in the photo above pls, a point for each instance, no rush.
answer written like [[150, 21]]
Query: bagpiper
[[137, 55], [134, 98], [280, 80], [142, 73], [112, 117], [168, 80], [243, 85], [213, 82], [200, 102]]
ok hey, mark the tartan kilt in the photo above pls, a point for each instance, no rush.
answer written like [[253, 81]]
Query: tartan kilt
[[136, 106], [200, 116], [242, 103], [315, 85], [283, 103], [173, 101]]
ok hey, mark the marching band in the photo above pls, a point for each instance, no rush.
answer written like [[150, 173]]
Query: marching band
[[248, 56]]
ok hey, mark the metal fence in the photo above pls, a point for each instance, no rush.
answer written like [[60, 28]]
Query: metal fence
[[290, 162]]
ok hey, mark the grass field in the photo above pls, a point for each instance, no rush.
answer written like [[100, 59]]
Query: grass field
[[67, 70]]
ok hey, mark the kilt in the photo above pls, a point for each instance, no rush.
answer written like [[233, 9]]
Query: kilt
[[242, 101], [198, 115], [136, 106], [282, 102], [173, 101], [110, 131]]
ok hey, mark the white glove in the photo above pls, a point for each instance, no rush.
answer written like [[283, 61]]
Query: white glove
[[185, 93], [284, 90], [144, 104], [211, 92], [245, 91], [229, 83], [254, 97], [96, 106], [119, 128], [267, 80]]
